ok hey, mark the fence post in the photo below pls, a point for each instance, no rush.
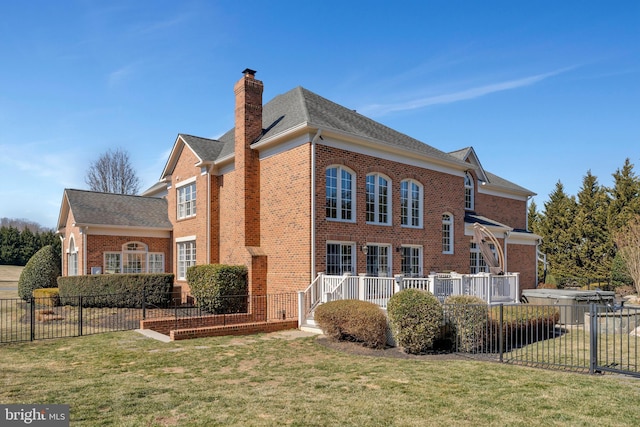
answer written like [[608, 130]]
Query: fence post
[[80, 315], [593, 338], [144, 303], [32, 316], [501, 332], [301, 313]]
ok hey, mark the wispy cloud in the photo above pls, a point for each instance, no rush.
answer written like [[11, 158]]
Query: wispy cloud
[[120, 75], [463, 95], [152, 27]]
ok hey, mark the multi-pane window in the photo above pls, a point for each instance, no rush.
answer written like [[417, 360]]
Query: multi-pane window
[[476, 259], [468, 192], [378, 261], [410, 204], [156, 263], [447, 233], [340, 258], [377, 198], [72, 258], [411, 262], [112, 262], [186, 258], [187, 201], [339, 194], [133, 258]]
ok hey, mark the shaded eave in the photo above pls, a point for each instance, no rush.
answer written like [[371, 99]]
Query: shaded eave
[[311, 128], [176, 151]]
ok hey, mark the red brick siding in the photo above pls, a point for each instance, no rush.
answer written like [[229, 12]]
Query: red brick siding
[[286, 218], [442, 193], [522, 259], [97, 245]]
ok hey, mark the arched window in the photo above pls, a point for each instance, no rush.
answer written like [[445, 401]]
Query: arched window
[[411, 203], [134, 257], [72, 258], [447, 233], [339, 201], [378, 199], [468, 192]]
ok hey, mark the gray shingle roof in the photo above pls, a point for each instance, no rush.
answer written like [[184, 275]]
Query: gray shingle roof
[[300, 106], [93, 208]]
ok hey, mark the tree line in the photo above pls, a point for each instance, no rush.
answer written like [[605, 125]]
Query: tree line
[[17, 246], [580, 232]]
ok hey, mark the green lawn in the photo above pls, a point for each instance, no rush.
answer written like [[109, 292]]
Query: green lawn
[[125, 379]]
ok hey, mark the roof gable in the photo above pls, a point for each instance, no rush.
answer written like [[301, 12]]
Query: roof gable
[[114, 210]]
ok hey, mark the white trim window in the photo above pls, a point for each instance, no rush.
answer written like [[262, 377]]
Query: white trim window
[[186, 200], [476, 259], [447, 233], [186, 257], [112, 262], [410, 204], [411, 262], [340, 258], [378, 260], [468, 192], [378, 200], [72, 258], [339, 201], [134, 258]]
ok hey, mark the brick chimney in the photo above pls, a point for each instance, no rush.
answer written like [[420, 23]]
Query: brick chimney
[[248, 128]]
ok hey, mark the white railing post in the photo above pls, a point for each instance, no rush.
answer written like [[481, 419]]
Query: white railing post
[[432, 283], [398, 285], [489, 288], [361, 286], [517, 279]]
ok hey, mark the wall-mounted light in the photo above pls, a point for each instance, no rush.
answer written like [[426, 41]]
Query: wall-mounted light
[[365, 249]]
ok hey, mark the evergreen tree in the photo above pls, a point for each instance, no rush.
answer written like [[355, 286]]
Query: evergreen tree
[[594, 251], [625, 197], [533, 217], [10, 247], [559, 235], [29, 245]]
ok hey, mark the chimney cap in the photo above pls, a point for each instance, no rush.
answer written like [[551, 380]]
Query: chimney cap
[[249, 71]]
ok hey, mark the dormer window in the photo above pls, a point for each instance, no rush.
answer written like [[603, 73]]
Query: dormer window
[[468, 192]]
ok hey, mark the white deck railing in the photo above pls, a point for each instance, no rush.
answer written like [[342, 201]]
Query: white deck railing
[[490, 287]]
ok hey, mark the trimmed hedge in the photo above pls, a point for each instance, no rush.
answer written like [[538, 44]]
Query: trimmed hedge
[[41, 271], [47, 296], [468, 316], [416, 319], [116, 290], [353, 320], [219, 288]]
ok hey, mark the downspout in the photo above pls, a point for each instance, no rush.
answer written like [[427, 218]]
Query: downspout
[[313, 204], [506, 237], [208, 231], [85, 242], [62, 254]]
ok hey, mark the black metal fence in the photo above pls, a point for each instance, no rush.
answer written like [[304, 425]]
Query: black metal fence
[[45, 318], [590, 338]]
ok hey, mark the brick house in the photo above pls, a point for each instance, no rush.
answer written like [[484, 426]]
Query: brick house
[[303, 185]]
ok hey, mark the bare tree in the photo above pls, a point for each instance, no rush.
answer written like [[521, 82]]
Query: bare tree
[[113, 173], [628, 241]]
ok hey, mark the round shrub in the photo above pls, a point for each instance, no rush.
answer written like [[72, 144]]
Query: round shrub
[[415, 317], [41, 271], [219, 288], [468, 316], [353, 320]]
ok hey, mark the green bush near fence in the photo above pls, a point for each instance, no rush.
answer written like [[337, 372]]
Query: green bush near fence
[[416, 318], [117, 290], [41, 271], [353, 320], [49, 297], [467, 316], [219, 288]]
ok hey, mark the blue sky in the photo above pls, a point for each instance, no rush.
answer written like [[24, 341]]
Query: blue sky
[[543, 91]]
